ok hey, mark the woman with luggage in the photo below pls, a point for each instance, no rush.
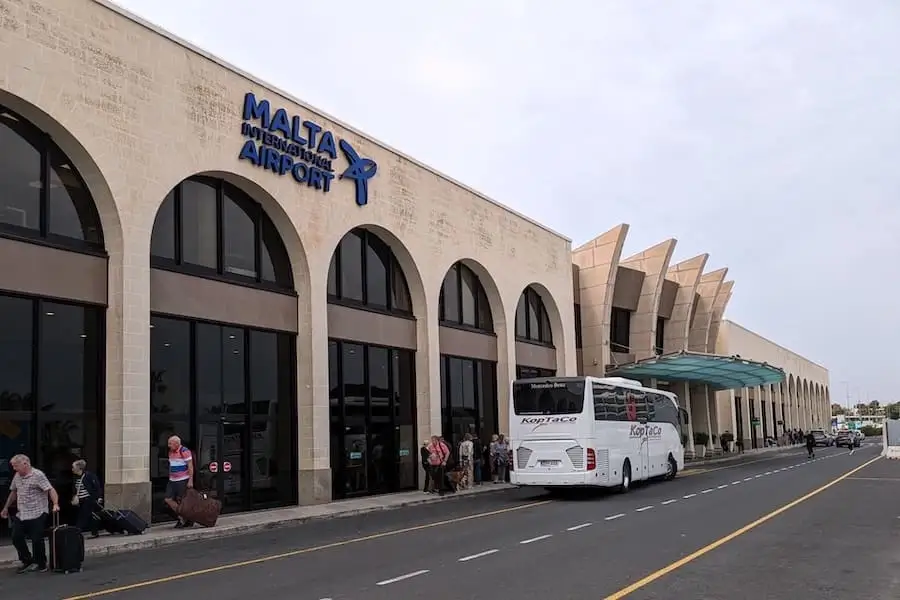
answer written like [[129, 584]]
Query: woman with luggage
[[88, 498]]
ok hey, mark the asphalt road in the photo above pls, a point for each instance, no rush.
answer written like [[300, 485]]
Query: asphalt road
[[527, 545]]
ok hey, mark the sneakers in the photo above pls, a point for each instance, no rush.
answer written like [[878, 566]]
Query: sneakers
[[31, 568]]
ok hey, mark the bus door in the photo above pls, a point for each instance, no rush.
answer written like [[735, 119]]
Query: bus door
[[637, 413]]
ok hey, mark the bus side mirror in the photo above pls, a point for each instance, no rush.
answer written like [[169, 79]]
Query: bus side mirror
[[684, 416]]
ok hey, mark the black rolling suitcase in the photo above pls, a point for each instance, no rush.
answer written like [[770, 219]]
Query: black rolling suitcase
[[128, 521], [66, 547], [109, 521]]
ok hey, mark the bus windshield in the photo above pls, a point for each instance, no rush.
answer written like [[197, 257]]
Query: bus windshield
[[548, 397]]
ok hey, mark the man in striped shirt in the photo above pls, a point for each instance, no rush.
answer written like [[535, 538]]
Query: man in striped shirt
[[181, 477]]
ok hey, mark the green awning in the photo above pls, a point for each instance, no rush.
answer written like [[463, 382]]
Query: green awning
[[718, 372]]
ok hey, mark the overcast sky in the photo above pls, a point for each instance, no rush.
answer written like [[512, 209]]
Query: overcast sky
[[764, 132]]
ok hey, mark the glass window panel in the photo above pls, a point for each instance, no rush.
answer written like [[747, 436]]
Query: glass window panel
[[378, 264], [534, 310], [265, 367], [70, 205], [400, 300], [351, 267], [208, 359], [456, 384], [485, 318], [521, 318], [162, 243], [16, 346], [68, 359], [233, 392], [468, 287], [20, 178], [354, 376], [403, 386], [199, 222], [274, 262], [170, 368], [63, 439], [332, 276], [379, 383], [334, 392], [546, 334], [468, 384], [450, 291], [487, 400], [238, 237]]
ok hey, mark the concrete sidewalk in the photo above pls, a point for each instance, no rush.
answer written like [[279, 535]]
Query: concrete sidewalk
[[733, 456], [231, 525]]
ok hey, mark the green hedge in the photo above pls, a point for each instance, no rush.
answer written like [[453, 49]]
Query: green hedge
[[870, 431]]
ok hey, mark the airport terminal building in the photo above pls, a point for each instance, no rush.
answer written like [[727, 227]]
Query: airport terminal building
[[186, 250]]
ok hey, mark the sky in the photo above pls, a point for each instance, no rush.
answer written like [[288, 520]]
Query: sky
[[764, 132]]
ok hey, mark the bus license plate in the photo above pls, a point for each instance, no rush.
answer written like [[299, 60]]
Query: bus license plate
[[549, 463]]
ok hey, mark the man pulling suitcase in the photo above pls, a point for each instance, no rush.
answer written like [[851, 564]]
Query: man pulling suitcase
[[29, 490]]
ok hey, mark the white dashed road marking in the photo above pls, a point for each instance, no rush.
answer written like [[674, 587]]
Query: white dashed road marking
[[643, 508], [479, 555], [707, 491], [402, 577], [536, 539], [614, 517], [735, 482], [667, 502], [722, 487], [689, 496], [577, 527]]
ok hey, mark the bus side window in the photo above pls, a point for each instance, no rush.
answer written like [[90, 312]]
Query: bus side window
[[604, 403]]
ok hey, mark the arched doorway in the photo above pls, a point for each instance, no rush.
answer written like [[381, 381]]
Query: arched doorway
[[469, 351], [372, 380], [535, 352], [53, 296], [223, 340]]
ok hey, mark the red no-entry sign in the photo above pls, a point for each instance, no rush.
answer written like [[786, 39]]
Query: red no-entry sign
[[226, 466], [213, 467]]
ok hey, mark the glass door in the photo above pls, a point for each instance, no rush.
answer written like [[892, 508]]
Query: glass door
[[223, 432]]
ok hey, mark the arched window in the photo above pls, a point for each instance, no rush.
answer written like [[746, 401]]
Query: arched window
[[463, 300], [42, 195], [365, 272], [207, 226], [532, 320]]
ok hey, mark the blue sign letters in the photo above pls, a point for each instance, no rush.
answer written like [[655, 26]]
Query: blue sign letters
[[284, 144]]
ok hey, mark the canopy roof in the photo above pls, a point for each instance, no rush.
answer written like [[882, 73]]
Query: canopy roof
[[718, 372]]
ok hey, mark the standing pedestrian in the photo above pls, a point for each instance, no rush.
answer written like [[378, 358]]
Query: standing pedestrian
[[88, 497], [29, 490]]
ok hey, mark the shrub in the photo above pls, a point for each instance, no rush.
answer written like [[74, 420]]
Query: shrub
[[870, 431]]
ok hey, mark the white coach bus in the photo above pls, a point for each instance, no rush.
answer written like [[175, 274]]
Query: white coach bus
[[590, 431]]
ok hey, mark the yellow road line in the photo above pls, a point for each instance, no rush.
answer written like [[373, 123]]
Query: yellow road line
[[265, 559], [721, 541]]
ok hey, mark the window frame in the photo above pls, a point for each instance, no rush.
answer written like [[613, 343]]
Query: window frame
[[479, 295], [543, 318], [394, 272], [224, 190], [45, 146]]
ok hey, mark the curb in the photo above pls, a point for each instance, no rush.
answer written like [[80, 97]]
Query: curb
[[191, 535]]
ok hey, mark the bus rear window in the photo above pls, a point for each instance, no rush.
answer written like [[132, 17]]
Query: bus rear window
[[548, 398]]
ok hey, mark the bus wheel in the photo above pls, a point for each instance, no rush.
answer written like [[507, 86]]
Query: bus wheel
[[671, 469], [626, 478]]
